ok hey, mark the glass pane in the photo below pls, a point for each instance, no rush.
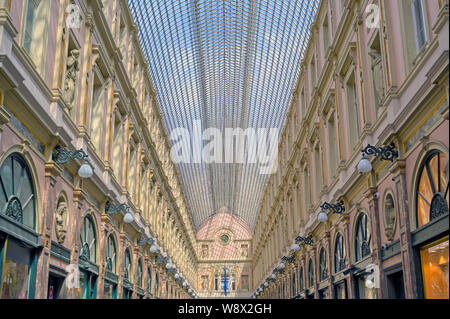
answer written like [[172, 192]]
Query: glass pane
[[16, 269], [79, 292], [6, 179], [434, 258]]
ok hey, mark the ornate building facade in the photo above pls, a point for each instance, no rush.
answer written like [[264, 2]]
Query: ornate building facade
[[73, 82], [362, 83], [83, 84]]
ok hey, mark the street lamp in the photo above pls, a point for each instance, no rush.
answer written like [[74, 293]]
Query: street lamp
[[281, 265], [110, 209], [387, 153], [168, 265], [64, 157], [338, 208], [274, 276], [154, 248], [295, 247], [266, 284]]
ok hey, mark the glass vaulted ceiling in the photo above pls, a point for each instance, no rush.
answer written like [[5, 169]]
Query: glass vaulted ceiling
[[228, 64]]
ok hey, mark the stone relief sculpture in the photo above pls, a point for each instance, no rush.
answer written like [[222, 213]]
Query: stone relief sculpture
[[204, 282], [60, 222], [71, 78], [377, 71]]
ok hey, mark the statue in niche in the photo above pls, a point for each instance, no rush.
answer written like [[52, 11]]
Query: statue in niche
[[377, 71], [244, 251], [71, 78], [204, 282], [60, 222]]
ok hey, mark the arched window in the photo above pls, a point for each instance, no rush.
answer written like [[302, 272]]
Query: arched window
[[294, 290], [432, 199], [156, 285], [127, 265], [339, 253], [310, 273], [149, 280], [323, 269], [363, 237], [140, 274], [17, 196], [111, 255], [88, 240], [300, 280]]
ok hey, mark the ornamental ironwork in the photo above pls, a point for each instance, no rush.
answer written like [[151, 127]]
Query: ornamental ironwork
[[111, 209], [388, 153], [304, 240], [143, 241], [14, 209], [108, 266], [338, 208], [63, 156], [85, 254], [290, 259], [438, 206]]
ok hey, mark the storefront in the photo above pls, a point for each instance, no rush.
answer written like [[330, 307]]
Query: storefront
[[19, 243], [430, 240]]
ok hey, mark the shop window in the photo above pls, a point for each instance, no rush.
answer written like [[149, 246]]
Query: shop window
[[434, 263], [363, 237], [339, 254], [432, 198], [17, 196], [15, 270]]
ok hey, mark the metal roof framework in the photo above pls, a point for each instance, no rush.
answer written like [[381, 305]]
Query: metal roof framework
[[228, 64]]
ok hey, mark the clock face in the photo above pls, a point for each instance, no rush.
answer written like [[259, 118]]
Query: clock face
[[224, 239]]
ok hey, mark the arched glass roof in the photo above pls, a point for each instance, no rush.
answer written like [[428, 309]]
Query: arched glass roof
[[228, 64]]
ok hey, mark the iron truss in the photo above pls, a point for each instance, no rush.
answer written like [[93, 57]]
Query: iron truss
[[228, 64]]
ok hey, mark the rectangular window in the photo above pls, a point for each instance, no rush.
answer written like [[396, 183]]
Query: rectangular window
[[434, 262], [353, 115], [29, 25], [332, 141], [97, 114], [419, 23], [326, 35], [313, 75], [318, 168]]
